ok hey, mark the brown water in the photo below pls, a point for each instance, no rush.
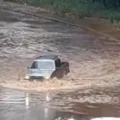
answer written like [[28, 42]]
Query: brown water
[[16, 105], [94, 65], [91, 57]]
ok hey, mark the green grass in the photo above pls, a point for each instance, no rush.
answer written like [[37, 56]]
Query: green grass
[[78, 8]]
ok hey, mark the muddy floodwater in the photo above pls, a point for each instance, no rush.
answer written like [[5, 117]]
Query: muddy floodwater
[[91, 89], [16, 105], [94, 60]]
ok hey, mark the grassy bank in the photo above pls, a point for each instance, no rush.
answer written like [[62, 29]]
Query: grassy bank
[[77, 8]]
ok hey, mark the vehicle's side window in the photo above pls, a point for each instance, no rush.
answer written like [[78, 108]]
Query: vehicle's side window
[[34, 65], [58, 63]]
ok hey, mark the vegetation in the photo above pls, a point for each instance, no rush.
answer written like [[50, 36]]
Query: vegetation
[[109, 9]]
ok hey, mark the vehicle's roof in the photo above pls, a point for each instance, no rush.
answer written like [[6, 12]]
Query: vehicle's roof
[[51, 57]]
